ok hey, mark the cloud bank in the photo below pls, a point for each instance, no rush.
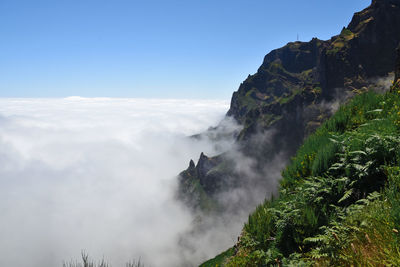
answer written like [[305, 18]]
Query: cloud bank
[[97, 174]]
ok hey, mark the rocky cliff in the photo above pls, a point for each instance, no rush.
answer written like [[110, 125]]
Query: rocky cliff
[[313, 70], [292, 93], [338, 202]]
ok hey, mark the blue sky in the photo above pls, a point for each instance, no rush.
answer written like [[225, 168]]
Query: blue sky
[[152, 49]]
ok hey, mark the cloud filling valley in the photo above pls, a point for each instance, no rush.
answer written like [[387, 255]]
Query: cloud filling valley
[[97, 174]]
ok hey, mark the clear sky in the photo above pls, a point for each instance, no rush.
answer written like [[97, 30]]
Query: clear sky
[[151, 48]]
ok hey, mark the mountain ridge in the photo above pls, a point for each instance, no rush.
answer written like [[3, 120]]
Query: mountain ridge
[[339, 200], [292, 93]]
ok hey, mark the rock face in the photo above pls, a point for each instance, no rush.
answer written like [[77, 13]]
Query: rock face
[[198, 184], [290, 94], [313, 70]]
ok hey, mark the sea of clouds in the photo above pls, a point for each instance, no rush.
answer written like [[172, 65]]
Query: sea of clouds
[[99, 174]]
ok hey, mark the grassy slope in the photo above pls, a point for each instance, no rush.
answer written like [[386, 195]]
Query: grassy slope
[[339, 199], [219, 260]]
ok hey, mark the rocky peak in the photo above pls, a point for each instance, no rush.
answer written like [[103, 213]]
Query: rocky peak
[[379, 14], [203, 165], [378, 3], [295, 57], [191, 165]]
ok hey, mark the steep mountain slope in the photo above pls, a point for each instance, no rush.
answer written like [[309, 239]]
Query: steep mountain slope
[[290, 96], [339, 199]]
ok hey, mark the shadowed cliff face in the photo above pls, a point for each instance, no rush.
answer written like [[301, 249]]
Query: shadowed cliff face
[[295, 89]]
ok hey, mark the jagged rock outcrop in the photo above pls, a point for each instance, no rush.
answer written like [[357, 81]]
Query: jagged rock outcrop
[[199, 182], [202, 171], [291, 93]]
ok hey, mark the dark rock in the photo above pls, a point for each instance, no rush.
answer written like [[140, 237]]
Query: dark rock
[[191, 165], [198, 183]]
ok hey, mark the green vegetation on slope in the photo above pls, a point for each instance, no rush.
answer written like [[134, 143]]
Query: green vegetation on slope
[[339, 199], [219, 260]]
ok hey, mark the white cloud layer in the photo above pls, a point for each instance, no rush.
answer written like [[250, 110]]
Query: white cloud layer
[[96, 174]]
